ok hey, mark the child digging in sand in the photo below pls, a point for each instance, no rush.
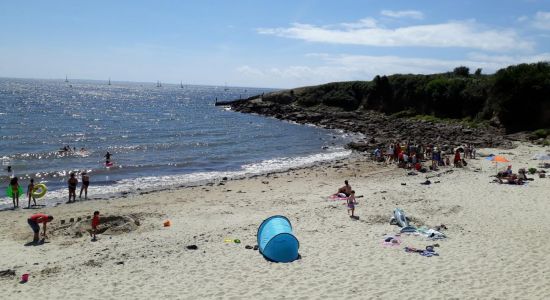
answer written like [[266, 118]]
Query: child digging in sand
[[95, 223], [351, 204]]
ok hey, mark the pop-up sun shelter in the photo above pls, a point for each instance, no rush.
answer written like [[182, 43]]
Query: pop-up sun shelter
[[276, 241]]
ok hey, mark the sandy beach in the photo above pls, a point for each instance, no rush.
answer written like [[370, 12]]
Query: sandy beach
[[496, 245]]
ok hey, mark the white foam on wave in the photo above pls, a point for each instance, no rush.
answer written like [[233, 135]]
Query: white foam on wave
[[149, 183]]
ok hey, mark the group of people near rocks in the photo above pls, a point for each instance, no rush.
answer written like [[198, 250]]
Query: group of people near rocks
[[509, 177], [412, 155]]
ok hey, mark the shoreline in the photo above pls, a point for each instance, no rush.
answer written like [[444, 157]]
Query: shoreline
[[152, 260]]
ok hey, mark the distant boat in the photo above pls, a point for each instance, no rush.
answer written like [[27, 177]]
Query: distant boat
[[109, 81], [225, 87], [159, 84], [66, 78], [181, 84]]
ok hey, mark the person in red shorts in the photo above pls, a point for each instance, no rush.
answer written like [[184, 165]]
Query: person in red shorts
[[36, 219], [95, 223]]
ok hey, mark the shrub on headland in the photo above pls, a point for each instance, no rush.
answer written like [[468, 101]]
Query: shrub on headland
[[516, 97]]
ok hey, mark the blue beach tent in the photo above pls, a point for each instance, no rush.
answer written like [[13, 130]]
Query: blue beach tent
[[276, 241]]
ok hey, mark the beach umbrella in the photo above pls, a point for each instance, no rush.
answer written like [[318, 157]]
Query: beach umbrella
[[542, 156], [496, 159]]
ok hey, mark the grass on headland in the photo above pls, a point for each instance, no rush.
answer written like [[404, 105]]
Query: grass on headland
[[467, 121]]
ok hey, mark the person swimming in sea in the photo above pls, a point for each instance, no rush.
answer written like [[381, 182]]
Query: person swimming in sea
[[107, 158]]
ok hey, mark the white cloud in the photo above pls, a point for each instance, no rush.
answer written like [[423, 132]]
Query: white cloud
[[466, 34], [364, 67], [542, 20], [363, 23], [414, 14]]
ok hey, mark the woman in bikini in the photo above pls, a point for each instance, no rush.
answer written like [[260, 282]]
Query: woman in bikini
[[85, 184], [72, 182]]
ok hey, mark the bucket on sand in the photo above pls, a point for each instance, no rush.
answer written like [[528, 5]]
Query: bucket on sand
[[24, 278], [167, 223]]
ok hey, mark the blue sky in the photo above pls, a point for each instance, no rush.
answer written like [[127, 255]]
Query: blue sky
[[266, 43]]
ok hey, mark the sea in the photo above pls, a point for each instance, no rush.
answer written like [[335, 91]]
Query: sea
[[159, 137]]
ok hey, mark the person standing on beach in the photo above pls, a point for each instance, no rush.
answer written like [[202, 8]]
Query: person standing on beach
[[14, 185], [72, 182], [30, 189], [36, 219], [95, 223], [351, 204], [85, 184]]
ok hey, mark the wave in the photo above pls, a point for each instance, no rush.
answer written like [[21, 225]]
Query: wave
[[107, 188]]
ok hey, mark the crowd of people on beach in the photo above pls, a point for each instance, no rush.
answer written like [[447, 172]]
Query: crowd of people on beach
[[412, 156]]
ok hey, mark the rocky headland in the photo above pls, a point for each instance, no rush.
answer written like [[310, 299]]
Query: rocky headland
[[448, 109]]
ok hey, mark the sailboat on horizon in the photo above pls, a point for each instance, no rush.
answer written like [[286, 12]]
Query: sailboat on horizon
[[66, 78], [181, 84], [159, 84], [109, 81]]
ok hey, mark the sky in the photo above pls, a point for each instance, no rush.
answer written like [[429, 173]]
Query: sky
[[277, 44]]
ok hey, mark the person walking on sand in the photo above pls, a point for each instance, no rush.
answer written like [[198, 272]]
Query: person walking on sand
[[351, 204], [72, 182], [85, 184], [95, 223], [14, 185], [30, 189], [36, 219]]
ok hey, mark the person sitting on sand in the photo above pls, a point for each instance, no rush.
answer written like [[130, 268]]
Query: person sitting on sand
[[72, 182], [522, 175], [14, 185], [36, 219], [346, 189], [30, 189], [85, 185], [505, 174], [351, 204]]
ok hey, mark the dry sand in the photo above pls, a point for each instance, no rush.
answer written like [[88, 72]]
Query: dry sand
[[497, 245]]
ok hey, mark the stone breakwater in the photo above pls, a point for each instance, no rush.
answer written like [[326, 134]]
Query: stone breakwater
[[379, 129]]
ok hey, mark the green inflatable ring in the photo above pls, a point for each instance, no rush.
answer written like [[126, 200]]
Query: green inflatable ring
[[39, 194], [9, 191]]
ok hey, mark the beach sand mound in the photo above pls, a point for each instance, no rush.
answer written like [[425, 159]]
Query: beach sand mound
[[108, 225]]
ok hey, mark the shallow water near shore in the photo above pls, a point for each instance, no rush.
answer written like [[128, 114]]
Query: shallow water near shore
[[159, 136]]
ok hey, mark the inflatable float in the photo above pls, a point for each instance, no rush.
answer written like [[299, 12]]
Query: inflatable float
[[39, 190], [9, 191], [400, 219]]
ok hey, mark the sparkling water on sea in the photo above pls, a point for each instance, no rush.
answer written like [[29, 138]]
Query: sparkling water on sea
[[159, 137]]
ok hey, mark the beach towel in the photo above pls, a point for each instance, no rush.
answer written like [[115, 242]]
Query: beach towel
[[431, 233], [337, 197], [428, 252], [391, 241]]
